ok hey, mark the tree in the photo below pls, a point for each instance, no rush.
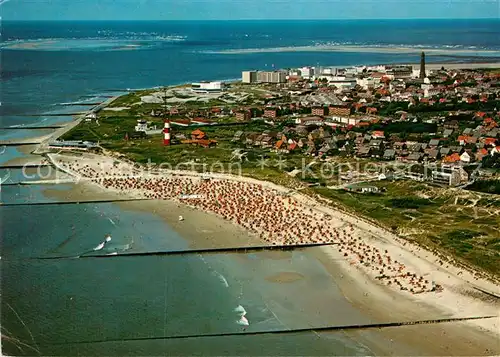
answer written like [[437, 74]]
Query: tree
[[491, 161]]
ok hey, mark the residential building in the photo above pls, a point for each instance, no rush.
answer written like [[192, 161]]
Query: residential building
[[249, 76], [319, 111], [307, 72], [271, 77], [449, 175], [347, 120], [243, 115], [270, 113], [142, 125], [339, 110], [368, 83]]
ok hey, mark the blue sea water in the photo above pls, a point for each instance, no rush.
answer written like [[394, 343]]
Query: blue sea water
[[48, 64]]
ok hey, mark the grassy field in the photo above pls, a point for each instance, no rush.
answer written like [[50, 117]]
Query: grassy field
[[444, 220]]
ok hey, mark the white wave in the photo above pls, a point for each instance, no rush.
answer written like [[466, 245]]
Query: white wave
[[243, 321], [240, 310], [112, 222], [72, 103], [221, 278], [100, 246]]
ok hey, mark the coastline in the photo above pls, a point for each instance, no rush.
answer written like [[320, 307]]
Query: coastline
[[358, 286], [458, 299], [359, 49]]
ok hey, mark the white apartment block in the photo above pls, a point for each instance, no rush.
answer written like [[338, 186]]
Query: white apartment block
[[249, 76]]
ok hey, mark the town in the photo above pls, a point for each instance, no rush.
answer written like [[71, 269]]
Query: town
[[444, 119]]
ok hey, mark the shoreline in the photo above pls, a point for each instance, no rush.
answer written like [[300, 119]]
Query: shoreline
[[457, 299], [360, 49], [379, 304]]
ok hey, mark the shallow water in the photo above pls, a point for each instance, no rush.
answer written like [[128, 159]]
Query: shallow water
[[92, 299]]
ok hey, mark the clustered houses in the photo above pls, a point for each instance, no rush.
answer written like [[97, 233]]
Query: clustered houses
[[446, 117], [450, 141], [386, 95]]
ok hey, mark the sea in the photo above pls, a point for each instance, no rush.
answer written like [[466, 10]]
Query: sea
[[135, 305]]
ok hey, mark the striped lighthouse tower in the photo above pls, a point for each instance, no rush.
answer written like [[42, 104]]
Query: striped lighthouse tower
[[166, 133]]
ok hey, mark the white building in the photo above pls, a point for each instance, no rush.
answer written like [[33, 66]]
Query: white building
[[342, 82], [380, 68], [353, 70], [142, 125], [249, 76], [207, 87], [416, 73], [271, 77], [346, 120], [328, 71], [465, 157], [307, 72], [367, 83]]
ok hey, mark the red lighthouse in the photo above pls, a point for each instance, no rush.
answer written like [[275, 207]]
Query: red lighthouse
[[166, 133]]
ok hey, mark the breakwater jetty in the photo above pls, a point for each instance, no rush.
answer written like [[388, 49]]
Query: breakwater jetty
[[251, 249], [32, 127], [70, 202], [318, 329], [25, 166], [54, 114], [19, 143]]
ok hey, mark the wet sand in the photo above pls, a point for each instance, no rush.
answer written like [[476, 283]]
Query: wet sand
[[380, 303], [362, 49], [285, 277]]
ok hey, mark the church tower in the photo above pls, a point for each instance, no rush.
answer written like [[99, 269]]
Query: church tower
[[422, 66]]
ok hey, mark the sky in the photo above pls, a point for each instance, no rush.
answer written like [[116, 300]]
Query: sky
[[244, 9]]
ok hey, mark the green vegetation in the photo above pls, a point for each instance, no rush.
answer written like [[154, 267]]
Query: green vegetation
[[409, 202], [431, 217], [487, 186]]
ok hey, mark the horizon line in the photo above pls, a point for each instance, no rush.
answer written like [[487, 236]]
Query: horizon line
[[241, 20]]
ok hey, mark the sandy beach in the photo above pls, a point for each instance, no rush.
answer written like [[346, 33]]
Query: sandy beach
[[365, 49], [382, 274]]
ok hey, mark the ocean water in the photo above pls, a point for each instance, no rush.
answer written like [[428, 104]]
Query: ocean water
[[45, 66]]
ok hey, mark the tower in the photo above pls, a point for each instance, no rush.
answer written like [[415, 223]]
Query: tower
[[422, 65], [166, 133]]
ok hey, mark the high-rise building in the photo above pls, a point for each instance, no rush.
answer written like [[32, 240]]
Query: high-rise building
[[307, 72], [422, 65], [271, 77], [249, 76]]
